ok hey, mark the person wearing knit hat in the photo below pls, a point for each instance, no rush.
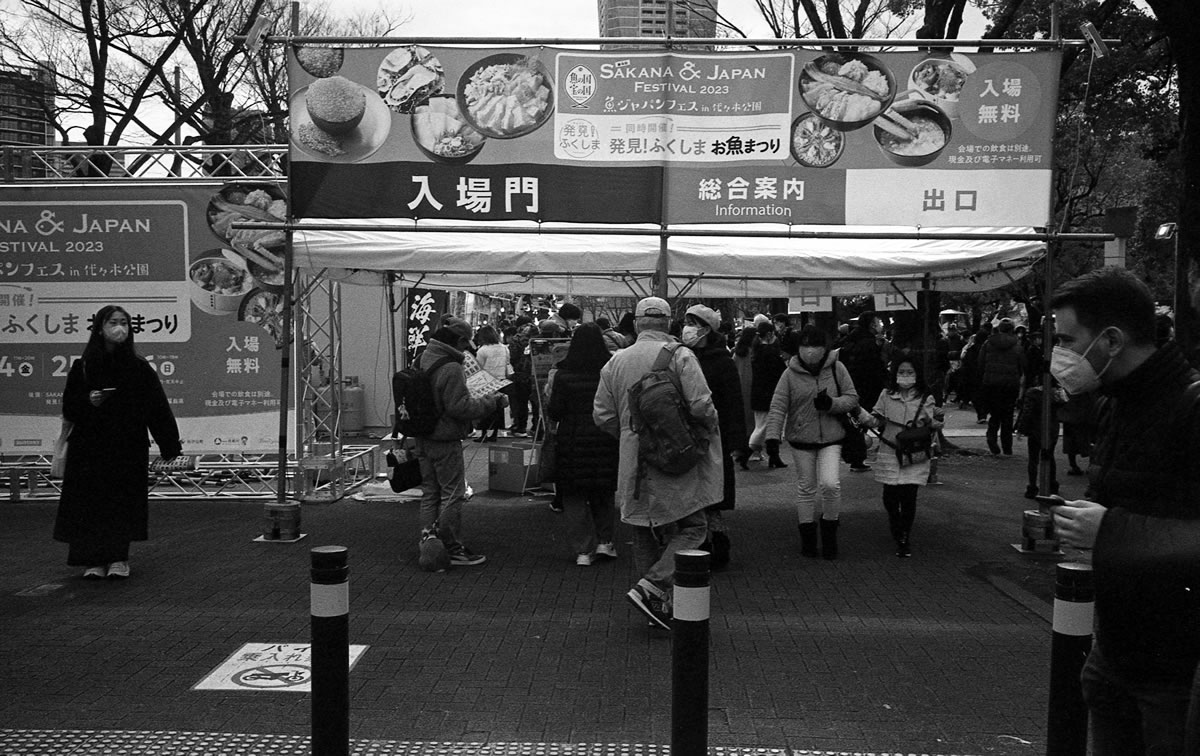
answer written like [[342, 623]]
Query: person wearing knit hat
[[701, 332], [443, 474]]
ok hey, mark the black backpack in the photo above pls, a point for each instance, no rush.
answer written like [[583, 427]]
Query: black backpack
[[416, 408], [669, 438]]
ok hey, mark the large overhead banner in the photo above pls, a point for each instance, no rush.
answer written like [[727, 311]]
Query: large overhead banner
[[204, 301], [803, 137]]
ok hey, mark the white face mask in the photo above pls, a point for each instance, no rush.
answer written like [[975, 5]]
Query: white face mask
[[116, 333], [692, 334], [811, 355], [906, 381], [1073, 371]]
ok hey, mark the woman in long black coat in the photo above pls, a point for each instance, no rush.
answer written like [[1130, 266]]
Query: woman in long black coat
[[115, 400], [586, 457], [700, 332]]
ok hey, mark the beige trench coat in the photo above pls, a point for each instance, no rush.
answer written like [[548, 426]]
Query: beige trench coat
[[662, 498]]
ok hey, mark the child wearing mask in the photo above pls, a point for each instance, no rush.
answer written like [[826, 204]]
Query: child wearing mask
[[904, 402]]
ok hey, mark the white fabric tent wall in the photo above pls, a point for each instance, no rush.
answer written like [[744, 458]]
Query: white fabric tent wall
[[617, 264]]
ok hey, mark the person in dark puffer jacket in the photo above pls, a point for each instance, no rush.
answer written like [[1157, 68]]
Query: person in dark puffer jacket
[[1002, 367], [701, 332], [1140, 515], [587, 458]]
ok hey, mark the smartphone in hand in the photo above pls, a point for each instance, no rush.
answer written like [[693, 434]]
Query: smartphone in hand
[[1050, 501]]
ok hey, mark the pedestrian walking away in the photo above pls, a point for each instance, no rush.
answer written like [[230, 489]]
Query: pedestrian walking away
[[905, 403], [665, 511], [810, 400], [586, 458], [443, 478], [1002, 370], [113, 398], [766, 365], [1140, 516]]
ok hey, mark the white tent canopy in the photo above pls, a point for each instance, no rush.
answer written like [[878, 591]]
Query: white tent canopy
[[701, 261]]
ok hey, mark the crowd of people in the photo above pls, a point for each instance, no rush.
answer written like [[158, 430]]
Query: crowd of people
[[1124, 397]]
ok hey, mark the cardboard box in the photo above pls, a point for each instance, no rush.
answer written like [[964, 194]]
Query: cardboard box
[[513, 467]]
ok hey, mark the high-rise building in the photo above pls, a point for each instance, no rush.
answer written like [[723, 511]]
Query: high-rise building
[[26, 99], [650, 18]]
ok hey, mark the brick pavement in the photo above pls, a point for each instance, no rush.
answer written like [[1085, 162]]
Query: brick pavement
[[866, 654]]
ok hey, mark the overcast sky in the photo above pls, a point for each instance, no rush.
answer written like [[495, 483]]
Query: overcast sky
[[542, 18]]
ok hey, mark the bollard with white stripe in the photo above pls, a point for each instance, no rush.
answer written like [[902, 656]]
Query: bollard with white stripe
[[330, 593], [1074, 605], [689, 654]]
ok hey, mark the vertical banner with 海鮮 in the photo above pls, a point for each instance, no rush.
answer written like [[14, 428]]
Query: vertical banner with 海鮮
[[204, 301]]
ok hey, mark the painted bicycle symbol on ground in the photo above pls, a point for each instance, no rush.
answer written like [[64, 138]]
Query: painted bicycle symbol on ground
[[273, 676]]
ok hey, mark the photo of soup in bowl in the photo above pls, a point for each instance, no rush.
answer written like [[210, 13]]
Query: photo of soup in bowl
[[913, 133]]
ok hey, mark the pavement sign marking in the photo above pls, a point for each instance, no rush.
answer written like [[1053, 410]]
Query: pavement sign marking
[[268, 666]]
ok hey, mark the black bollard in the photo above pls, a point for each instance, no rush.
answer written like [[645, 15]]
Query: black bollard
[[330, 652], [689, 655], [1074, 604]]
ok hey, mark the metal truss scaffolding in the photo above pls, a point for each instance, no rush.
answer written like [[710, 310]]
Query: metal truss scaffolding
[[323, 469]]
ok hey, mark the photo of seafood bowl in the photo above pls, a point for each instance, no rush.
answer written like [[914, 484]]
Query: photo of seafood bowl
[[941, 79], [260, 250], [913, 133], [442, 133], [847, 90], [815, 144], [219, 282], [409, 76], [505, 96]]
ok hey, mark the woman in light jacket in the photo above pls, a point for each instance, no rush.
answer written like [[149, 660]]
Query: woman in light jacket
[[809, 398], [904, 401], [494, 358]]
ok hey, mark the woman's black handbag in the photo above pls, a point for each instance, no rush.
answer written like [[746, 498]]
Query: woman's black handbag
[[403, 475], [913, 440], [854, 445]]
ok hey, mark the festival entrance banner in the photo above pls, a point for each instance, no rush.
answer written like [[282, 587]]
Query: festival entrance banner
[[793, 136], [204, 301]]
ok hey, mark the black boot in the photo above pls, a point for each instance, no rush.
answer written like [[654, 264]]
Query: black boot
[[902, 548], [808, 539], [829, 546]]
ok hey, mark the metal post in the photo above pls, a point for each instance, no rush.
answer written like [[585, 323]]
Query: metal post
[[1074, 597], [330, 594], [1046, 453], [689, 655]]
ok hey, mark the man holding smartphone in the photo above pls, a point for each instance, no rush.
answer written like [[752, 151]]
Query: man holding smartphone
[[1140, 515]]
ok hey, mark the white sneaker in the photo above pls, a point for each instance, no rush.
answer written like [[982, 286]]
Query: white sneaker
[[92, 573], [118, 570], [607, 550], [584, 560]]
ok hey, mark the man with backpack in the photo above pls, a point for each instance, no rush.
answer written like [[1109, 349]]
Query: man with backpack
[[443, 474], [653, 397]]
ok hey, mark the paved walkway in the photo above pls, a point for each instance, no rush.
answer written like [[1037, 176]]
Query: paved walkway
[[944, 653]]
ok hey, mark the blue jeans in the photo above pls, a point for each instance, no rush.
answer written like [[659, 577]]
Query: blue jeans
[[1133, 718], [443, 486], [654, 548]]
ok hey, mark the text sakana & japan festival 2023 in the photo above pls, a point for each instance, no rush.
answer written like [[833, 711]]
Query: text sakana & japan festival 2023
[[800, 137]]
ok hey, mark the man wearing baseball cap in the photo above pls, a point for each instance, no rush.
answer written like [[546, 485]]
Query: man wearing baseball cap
[[665, 511]]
